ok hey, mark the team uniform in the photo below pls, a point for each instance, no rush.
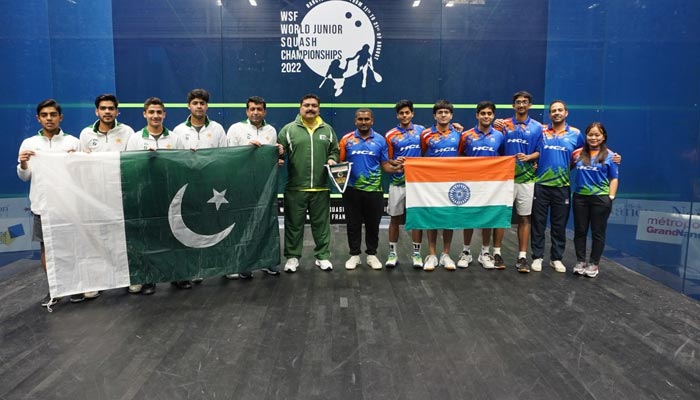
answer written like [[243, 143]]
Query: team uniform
[[61, 142], [116, 139], [440, 144], [143, 140], [307, 152], [476, 143], [522, 137], [592, 204], [210, 135], [552, 189], [401, 143], [363, 199], [241, 133]]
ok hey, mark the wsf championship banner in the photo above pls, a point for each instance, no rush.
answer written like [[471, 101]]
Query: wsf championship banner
[[118, 219], [459, 192]]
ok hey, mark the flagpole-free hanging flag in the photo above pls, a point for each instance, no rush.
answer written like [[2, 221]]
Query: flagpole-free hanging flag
[[459, 192], [118, 219]]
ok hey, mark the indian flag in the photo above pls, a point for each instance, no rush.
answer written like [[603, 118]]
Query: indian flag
[[118, 219], [459, 192]]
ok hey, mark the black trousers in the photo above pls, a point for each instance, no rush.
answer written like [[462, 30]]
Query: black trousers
[[553, 202], [363, 207], [590, 211]]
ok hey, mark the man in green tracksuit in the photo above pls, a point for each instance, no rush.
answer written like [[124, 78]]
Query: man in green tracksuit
[[309, 144]]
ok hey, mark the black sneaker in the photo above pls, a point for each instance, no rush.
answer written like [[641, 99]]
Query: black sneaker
[[521, 265], [77, 298], [245, 275], [48, 301], [148, 288], [273, 270], [182, 284], [498, 262]]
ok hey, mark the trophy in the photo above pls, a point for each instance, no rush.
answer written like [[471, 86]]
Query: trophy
[[339, 174]]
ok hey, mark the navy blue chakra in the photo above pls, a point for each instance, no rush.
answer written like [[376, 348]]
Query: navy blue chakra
[[459, 194]]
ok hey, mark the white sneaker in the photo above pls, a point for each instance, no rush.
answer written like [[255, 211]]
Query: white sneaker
[[430, 263], [465, 259], [447, 262], [352, 262], [557, 265], [325, 265], [417, 260], [374, 262], [592, 271], [391, 260], [135, 288], [580, 268], [486, 261], [91, 295], [291, 265], [536, 265]]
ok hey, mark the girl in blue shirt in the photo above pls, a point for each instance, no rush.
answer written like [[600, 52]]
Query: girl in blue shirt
[[595, 185]]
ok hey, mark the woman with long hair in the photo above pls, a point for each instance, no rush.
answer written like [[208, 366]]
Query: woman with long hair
[[595, 185]]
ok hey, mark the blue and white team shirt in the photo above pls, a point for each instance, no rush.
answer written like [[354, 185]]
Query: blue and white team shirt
[[440, 144], [555, 150], [593, 179], [403, 143], [366, 156], [522, 137], [476, 143]]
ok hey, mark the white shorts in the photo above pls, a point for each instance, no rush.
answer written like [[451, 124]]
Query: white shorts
[[524, 192], [397, 200]]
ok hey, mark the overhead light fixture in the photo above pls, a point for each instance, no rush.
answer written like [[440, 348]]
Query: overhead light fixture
[[450, 4], [219, 3], [416, 3], [253, 3]]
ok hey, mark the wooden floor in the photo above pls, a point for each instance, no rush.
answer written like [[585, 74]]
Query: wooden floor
[[363, 334]]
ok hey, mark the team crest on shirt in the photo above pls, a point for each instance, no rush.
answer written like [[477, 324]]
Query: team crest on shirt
[[338, 40], [93, 143]]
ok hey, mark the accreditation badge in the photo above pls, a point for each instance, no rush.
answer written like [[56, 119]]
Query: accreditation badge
[[339, 174]]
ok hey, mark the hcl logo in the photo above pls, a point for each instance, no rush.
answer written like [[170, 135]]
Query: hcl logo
[[363, 152], [445, 150], [410, 146], [587, 167], [523, 141], [482, 148], [550, 147]]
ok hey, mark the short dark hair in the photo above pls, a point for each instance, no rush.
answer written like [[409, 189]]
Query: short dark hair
[[106, 97], [443, 104], [557, 101], [364, 110], [256, 100], [152, 101], [485, 104], [310, 96], [403, 104], [524, 94], [198, 94], [49, 103]]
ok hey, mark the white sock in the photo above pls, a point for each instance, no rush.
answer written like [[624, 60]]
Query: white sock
[[484, 249], [496, 250], [392, 247], [522, 254], [416, 247], [466, 249]]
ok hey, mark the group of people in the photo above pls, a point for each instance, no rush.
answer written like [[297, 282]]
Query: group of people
[[544, 155]]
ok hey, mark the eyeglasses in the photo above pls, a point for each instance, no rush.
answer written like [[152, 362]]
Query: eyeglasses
[[522, 103]]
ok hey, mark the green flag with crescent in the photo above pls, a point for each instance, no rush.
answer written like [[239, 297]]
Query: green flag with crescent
[[117, 219]]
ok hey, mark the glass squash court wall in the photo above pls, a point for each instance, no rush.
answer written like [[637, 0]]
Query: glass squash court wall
[[632, 64]]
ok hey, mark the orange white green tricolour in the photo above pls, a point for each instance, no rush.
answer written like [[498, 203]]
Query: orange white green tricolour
[[459, 192]]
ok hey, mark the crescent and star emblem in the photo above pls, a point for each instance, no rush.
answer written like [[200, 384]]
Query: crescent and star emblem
[[184, 234]]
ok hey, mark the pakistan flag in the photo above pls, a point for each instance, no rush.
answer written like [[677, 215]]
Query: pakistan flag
[[116, 219]]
